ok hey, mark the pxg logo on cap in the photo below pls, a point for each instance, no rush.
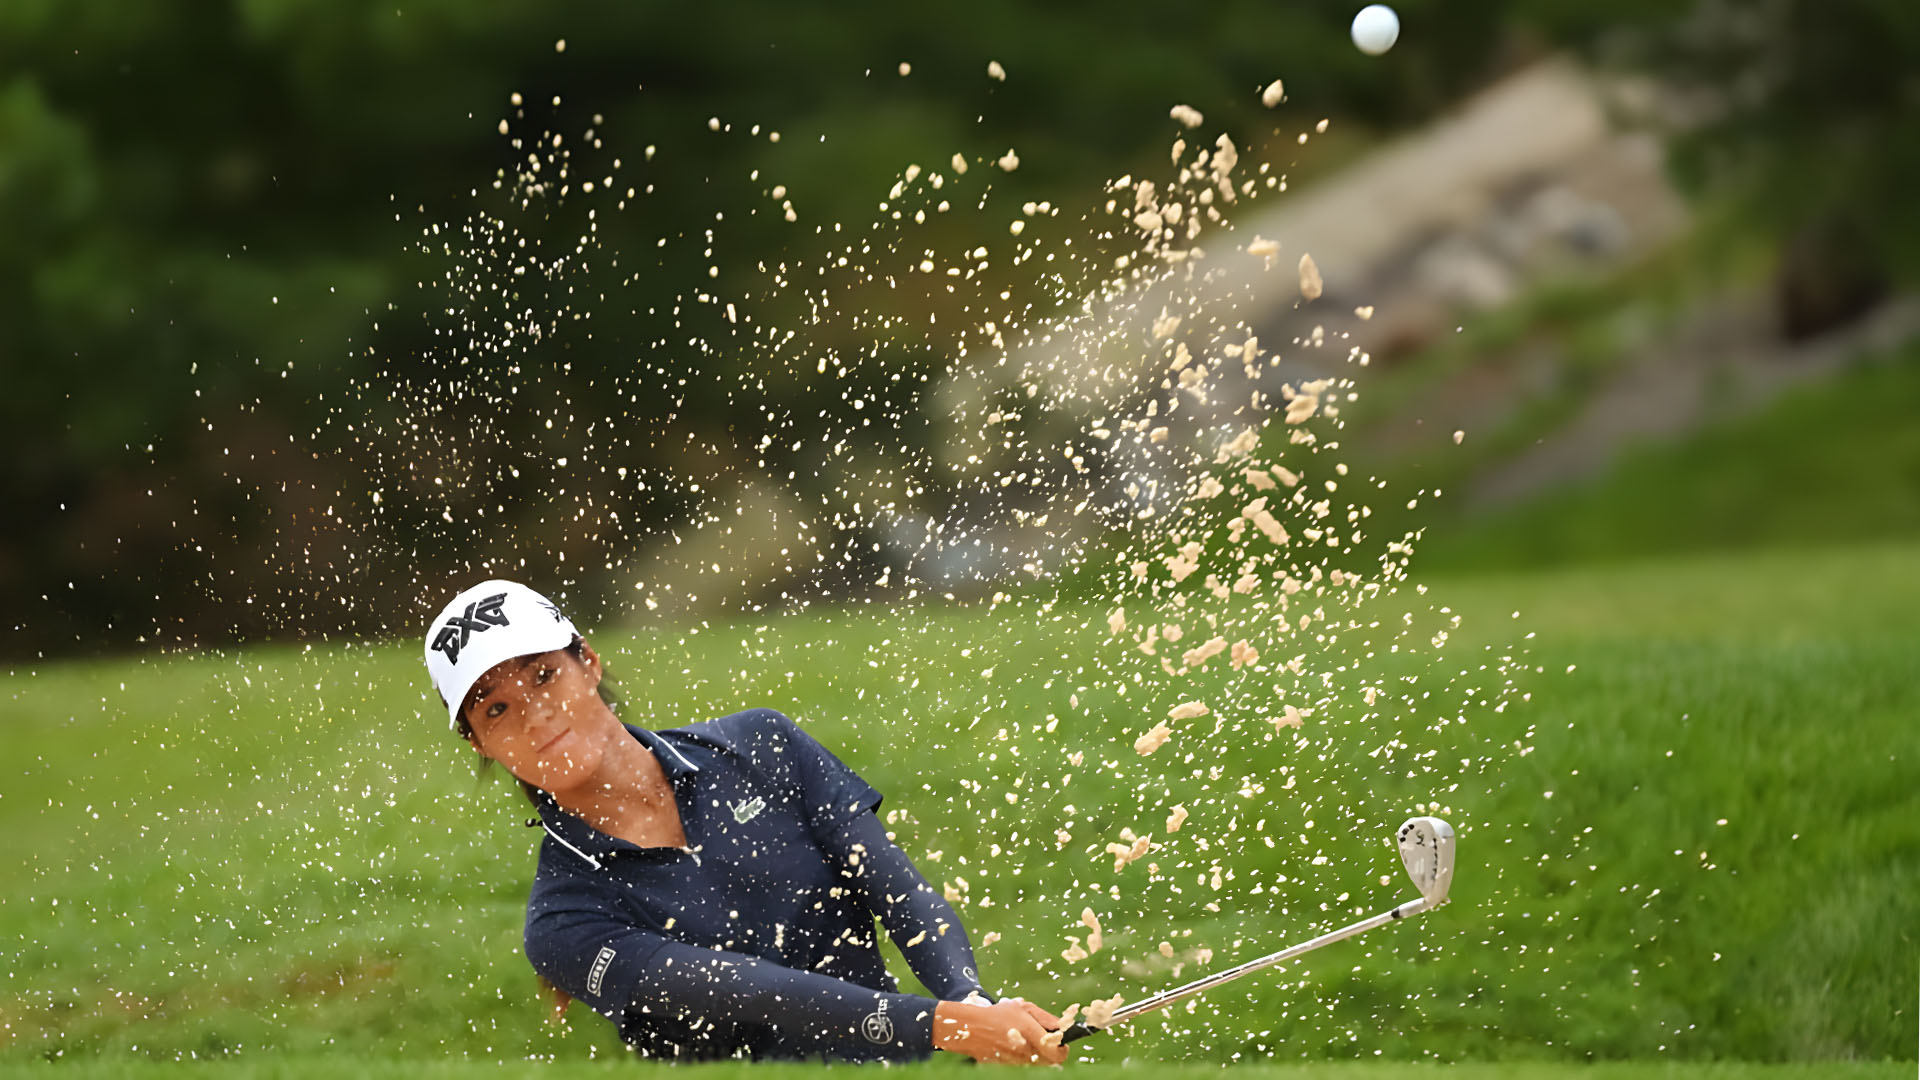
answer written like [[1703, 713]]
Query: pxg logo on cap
[[480, 615]]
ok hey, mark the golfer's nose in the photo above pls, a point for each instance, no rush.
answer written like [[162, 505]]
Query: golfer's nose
[[542, 713], [542, 728]]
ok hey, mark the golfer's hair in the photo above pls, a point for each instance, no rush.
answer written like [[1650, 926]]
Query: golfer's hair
[[575, 648]]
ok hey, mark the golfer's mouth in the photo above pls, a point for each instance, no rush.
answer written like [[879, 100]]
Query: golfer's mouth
[[548, 745]]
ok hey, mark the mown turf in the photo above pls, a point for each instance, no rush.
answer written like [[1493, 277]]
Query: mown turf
[[1836, 458], [1699, 842], [298, 1068]]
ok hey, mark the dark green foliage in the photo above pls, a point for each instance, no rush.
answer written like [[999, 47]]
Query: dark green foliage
[[207, 209], [1799, 111]]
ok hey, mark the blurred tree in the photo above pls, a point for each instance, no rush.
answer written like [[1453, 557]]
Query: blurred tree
[[218, 342], [1801, 110]]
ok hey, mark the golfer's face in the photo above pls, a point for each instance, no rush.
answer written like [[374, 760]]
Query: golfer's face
[[539, 716]]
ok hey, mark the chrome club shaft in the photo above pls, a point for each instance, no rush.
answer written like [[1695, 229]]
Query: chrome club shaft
[[1426, 850]]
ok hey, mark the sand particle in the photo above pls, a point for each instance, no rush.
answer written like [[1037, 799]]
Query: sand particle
[[1092, 922], [1153, 740], [1100, 1013], [1310, 283]]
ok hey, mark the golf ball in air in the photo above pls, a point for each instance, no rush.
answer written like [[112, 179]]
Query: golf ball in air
[[1375, 29]]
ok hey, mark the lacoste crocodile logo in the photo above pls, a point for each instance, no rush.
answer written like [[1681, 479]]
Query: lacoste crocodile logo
[[747, 809]]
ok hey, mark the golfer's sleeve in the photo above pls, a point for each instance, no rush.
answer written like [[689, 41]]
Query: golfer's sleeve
[[614, 968], [832, 793], [917, 917]]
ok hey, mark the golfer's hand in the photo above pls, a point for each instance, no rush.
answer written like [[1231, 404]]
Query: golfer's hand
[[1011, 1032]]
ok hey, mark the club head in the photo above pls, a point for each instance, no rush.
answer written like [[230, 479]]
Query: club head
[[1426, 847]]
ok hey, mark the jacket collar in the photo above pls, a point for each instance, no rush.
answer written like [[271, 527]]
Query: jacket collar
[[671, 759], [589, 843]]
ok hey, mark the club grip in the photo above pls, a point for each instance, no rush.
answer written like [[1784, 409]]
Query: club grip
[[1075, 1031]]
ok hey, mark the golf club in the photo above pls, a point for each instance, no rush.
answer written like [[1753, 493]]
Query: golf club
[[1426, 848]]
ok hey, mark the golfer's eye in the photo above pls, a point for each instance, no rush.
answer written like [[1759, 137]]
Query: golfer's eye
[[542, 675], [496, 709]]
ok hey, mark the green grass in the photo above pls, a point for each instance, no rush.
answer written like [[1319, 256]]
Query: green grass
[[280, 854], [300, 1068], [1840, 458]]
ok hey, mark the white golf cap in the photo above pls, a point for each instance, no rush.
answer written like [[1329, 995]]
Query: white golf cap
[[485, 624]]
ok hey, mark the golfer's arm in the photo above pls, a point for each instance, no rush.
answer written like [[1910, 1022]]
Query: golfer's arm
[[917, 918], [832, 1016]]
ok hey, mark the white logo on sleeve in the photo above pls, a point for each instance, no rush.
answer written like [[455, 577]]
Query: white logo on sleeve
[[746, 809], [600, 965], [878, 1026]]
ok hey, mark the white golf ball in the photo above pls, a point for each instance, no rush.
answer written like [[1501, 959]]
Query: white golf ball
[[1375, 29]]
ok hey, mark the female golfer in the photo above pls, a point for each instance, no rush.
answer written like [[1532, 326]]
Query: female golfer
[[710, 889]]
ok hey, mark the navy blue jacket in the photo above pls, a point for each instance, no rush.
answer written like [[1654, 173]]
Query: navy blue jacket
[[757, 939]]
